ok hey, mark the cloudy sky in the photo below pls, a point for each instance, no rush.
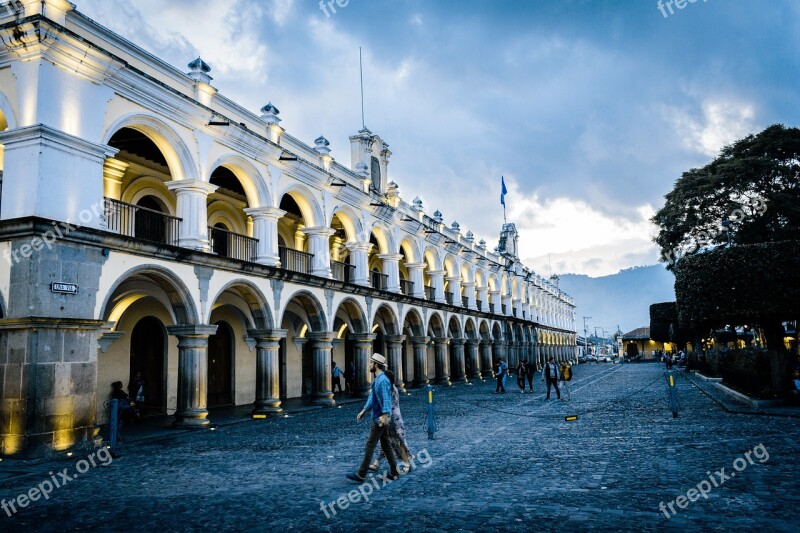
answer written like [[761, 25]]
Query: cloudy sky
[[589, 108]]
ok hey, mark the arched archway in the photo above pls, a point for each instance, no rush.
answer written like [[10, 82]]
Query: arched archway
[[147, 385], [457, 341]]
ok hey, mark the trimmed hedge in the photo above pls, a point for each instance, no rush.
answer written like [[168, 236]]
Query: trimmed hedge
[[663, 317], [747, 284]]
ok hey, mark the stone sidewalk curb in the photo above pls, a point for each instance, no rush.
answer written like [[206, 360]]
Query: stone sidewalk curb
[[725, 400]]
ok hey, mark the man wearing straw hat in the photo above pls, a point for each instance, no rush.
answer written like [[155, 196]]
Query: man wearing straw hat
[[379, 404]]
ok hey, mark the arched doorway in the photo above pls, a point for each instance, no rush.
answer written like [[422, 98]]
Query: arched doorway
[[147, 366], [220, 363], [150, 224]]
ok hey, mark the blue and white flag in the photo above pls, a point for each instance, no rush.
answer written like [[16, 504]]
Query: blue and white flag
[[503, 191]]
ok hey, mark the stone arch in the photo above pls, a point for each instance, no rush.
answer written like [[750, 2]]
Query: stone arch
[[467, 272], [305, 306], [354, 231], [497, 332], [470, 330], [249, 300], [175, 295], [454, 328], [385, 238], [436, 325], [177, 154], [386, 318], [150, 186], [307, 202], [483, 330], [351, 315], [432, 258], [251, 180], [415, 323], [451, 265], [410, 248]]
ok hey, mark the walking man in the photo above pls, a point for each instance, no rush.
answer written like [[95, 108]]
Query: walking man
[[502, 369], [551, 375], [379, 405], [530, 370]]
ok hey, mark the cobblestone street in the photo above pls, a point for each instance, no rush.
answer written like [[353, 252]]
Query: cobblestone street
[[508, 462]]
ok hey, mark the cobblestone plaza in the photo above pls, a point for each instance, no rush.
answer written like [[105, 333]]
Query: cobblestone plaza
[[502, 462]]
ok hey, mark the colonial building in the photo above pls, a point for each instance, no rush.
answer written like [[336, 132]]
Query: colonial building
[[154, 232]]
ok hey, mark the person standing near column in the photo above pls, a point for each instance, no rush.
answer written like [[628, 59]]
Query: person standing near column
[[336, 374], [379, 404], [502, 370], [551, 376], [521, 371]]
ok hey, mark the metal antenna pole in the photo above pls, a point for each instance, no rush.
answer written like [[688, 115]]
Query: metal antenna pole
[[361, 73]]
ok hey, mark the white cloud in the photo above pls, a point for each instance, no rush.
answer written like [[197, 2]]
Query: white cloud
[[720, 123], [565, 235]]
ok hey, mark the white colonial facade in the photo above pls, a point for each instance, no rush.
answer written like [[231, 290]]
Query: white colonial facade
[[150, 226]]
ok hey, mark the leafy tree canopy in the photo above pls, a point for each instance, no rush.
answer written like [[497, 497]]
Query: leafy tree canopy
[[753, 187]]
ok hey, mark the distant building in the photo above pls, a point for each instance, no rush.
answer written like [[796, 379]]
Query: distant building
[[638, 342]]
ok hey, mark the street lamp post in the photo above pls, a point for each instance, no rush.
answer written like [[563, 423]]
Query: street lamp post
[[585, 337]]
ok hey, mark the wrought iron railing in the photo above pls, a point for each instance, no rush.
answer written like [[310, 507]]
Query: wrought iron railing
[[430, 293], [295, 260], [141, 222], [465, 301], [226, 243], [379, 281], [448, 297], [479, 304], [406, 287], [343, 271], [503, 308], [491, 307]]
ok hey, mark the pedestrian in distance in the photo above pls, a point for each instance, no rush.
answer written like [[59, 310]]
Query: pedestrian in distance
[[530, 370], [551, 376], [566, 377], [396, 432], [350, 378], [502, 370], [379, 406], [521, 371], [337, 378]]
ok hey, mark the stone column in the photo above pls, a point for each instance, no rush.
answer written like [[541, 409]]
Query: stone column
[[506, 300], [454, 286], [394, 361], [494, 296], [437, 282], [420, 345], [483, 295], [192, 409], [469, 292], [192, 198], [265, 229], [268, 397], [319, 245], [512, 354], [362, 348], [323, 381], [458, 373], [442, 360], [486, 358], [392, 270], [359, 258], [472, 357], [415, 273]]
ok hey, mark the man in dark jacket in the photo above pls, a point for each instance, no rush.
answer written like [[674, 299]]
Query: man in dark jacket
[[530, 370], [551, 376]]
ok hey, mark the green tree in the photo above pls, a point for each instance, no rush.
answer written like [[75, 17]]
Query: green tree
[[754, 184], [747, 197]]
